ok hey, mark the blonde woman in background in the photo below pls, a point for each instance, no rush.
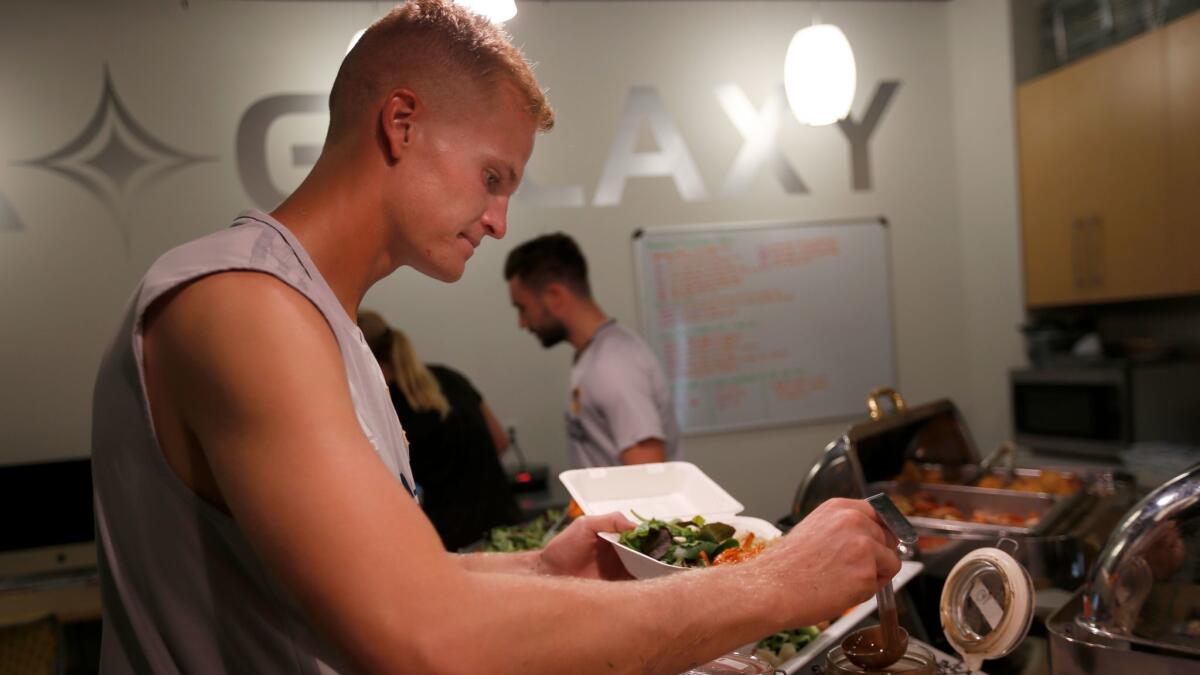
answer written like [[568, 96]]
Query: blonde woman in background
[[454, 439]]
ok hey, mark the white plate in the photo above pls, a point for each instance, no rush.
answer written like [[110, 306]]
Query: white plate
[[642, 566], [833, 635]]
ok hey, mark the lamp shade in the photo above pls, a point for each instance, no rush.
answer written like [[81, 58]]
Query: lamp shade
[[819, 75]]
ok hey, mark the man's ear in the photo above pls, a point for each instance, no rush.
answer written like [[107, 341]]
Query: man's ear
[[397, 118], [555, 296]]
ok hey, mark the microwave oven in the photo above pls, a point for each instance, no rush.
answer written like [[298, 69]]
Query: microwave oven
[[1100, 410]]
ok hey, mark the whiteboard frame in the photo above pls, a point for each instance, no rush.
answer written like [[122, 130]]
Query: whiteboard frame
[[637, 251]]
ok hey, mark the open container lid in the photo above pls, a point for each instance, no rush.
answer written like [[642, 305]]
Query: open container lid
[[666, 490], [987, 605]]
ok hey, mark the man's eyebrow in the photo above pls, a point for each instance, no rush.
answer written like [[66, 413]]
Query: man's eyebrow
[[512, 174]]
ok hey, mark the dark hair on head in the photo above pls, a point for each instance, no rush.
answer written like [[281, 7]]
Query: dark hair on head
[[549, 258], [436, 47]]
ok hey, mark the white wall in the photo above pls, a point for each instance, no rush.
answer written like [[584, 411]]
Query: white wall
[[941, 161], [988, 210]]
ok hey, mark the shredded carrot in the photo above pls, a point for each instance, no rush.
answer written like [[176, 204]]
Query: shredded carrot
[[729, 555], [704, 557], [748, 549]]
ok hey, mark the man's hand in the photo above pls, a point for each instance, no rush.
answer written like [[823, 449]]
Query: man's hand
[[578, 552], [837, 557]]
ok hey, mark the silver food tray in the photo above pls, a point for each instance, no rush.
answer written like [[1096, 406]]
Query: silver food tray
[[1049, 508], [966, 475]]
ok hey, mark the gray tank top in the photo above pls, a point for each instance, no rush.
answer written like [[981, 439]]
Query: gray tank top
[[183, 592]]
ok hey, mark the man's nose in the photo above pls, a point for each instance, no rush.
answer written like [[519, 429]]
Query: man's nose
[[495, 218]]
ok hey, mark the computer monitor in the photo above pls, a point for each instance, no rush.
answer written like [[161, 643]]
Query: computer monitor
[[49, 524]]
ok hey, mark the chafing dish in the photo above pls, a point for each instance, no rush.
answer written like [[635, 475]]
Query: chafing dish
[[1140, 610], [934, 439]]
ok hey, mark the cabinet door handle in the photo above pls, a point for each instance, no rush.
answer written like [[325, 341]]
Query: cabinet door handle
[[1087, 253]]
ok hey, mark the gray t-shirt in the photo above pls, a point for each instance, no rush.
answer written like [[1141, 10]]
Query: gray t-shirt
[[182, 589], [618, 398]]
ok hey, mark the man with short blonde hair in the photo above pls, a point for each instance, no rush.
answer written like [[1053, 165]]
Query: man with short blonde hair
[[452, 54], [253, 502]]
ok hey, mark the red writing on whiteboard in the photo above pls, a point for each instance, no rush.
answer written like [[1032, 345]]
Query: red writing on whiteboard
[[799, 387], [796, 252]]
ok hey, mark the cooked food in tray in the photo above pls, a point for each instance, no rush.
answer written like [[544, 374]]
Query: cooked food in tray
[[1047, 481], [924, 505], [921, 473], [690, 543]]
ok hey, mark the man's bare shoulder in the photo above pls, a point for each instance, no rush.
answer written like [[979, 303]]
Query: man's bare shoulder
[[246, 295], [244, 336]]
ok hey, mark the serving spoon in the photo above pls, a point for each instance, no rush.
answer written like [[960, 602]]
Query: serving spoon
[[877, 647]]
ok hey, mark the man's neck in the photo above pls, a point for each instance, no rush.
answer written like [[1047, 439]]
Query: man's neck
[[583, 324], [343, 235]]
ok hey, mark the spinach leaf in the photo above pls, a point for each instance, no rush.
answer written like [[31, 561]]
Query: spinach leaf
[[716, 532], [657, 543]]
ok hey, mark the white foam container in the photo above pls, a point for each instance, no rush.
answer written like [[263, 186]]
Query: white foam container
[[664, 491]]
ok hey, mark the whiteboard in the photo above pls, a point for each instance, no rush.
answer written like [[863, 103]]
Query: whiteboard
[[766, 324]]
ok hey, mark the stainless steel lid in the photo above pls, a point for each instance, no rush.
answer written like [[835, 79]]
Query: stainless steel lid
[[1145, 586], [932, 432], [876, 450]]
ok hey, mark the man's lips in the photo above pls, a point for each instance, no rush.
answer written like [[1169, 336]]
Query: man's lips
[[473, 242]]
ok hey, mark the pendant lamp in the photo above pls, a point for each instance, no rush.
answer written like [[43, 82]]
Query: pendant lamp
[[819, 75]]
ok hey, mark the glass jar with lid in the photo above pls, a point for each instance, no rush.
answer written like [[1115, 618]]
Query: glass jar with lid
[[986, 611]]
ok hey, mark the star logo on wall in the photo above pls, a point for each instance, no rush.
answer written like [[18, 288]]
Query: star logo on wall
[[114, 156], [9, 221]]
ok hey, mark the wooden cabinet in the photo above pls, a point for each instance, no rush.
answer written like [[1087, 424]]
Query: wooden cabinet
[[1058, 125], [1183, 115], [1093, 161]]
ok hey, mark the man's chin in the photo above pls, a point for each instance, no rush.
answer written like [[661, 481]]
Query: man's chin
[[447, 273]]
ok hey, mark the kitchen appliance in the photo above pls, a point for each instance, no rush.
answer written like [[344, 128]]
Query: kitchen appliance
[[1101, 410], [1140, 610], [525, 477]]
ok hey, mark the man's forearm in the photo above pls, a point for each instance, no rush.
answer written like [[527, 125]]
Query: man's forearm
[[612, 627], [525, 562]]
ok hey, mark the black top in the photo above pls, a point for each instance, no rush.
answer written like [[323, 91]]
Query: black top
[[454, 462]]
